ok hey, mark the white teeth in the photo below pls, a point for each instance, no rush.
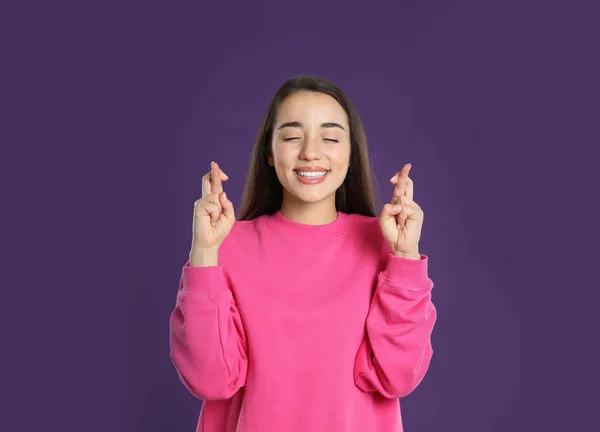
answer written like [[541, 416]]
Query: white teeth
[[313, 174]]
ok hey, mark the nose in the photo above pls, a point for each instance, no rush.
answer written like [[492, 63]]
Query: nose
[[311, 149]]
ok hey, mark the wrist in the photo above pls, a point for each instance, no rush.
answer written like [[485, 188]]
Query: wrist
[[200, 257], [409, 255]]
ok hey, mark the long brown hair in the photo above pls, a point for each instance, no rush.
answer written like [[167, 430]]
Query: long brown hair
[[263, 194]]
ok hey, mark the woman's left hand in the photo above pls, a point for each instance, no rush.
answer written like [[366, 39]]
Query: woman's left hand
[[401, 219]]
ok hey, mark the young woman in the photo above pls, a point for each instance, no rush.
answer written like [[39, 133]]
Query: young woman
[[309, 312]]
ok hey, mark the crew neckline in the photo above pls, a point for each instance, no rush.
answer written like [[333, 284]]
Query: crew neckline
[[285, 226]]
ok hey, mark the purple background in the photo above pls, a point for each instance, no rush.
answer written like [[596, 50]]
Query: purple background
[[113, 111]]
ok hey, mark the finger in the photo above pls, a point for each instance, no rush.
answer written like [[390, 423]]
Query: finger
[[410, 189], [206, 188], [215, 178], [405, 200], [206, 208], [408, 204], [405, 170], [401, 199], [395, 197], [213, 199], [401, 218], [401, 183], [410, 210], [206, 182], [388, 213], [400, 180], [227, 205]]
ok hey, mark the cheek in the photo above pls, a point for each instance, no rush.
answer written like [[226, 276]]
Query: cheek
[[283, 156], [281, 163], [340, 156]]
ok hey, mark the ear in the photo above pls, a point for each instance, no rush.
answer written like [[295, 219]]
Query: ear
[[270, 160]]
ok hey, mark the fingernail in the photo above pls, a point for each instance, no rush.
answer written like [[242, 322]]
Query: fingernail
[[393, 179], [224, 195]]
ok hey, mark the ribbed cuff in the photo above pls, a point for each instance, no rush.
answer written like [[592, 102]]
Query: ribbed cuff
[[399, 268], [204, 279]]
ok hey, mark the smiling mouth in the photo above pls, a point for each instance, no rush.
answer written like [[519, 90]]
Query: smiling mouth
[[311, 174]]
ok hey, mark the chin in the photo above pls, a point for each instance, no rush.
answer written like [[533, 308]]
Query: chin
[[313, 196], [312, 199]]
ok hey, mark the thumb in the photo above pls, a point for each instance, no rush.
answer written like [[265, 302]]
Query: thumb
[[388, 212], [227, 205]]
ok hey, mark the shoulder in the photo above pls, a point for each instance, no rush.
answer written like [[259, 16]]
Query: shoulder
[[366, 229], [244, 232], [367, 226], [242, 229], [368, 222]]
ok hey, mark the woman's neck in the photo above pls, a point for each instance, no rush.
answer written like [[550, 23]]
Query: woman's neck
[[317, 213]]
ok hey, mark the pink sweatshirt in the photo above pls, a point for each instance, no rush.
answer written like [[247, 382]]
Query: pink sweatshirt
[[303, 328]]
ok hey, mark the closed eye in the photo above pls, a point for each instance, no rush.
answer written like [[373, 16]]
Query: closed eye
[[326, 139]]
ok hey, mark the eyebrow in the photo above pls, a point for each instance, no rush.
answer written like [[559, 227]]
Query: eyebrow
[[300, 125]]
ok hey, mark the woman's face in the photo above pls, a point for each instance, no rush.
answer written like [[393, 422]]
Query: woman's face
[[311, 146]]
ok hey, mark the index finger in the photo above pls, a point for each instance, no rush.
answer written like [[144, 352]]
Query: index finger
[[206, 184], [401, 180], [410, 188], [215, 178]]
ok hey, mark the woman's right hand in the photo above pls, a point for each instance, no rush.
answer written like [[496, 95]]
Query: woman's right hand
[[213, 214]]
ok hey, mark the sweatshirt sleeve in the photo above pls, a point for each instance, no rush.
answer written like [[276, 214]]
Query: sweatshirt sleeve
[[396, 351], [207, 339]]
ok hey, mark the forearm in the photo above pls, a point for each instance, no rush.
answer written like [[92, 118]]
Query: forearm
[[207, 340], [397, 351]]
